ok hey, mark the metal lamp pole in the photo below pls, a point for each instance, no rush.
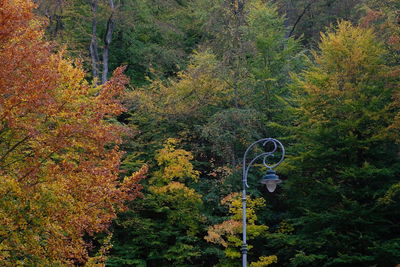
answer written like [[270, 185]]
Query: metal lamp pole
[[270, 179]]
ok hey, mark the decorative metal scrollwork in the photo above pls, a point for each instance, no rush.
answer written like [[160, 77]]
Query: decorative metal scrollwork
[[266, 143], [271, 146]]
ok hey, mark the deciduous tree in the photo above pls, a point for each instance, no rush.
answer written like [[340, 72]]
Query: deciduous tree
[[164, 228], [59, 160], [228, 233]]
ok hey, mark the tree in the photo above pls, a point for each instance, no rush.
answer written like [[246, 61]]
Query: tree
[[346, 160], [151, 37], [164, 228], [308, 18], [274, 56], [384, 18], [176, 107], [227, 232], [59, 162]]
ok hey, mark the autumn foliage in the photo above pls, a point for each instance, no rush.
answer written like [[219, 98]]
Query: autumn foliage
[[59, 154]]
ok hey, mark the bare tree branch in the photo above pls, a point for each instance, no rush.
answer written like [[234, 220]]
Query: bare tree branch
[[300, 16]]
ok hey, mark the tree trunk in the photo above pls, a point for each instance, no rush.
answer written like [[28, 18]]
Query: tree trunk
[[107, 42]]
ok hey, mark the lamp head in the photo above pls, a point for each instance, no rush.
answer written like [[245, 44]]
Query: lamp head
[[271, 180]]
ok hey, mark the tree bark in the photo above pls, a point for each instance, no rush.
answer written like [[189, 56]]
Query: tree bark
[[107, 42]]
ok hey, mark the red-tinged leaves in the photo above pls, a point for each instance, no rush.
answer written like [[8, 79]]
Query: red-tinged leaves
[[59, 157]]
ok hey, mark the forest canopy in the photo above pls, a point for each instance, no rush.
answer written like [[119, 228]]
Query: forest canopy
[[123, 125]]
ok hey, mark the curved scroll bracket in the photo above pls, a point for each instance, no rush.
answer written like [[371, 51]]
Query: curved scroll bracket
[[271, 146], [274, 147]]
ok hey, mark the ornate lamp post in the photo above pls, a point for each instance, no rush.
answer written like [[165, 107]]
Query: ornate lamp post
[[270, 179]]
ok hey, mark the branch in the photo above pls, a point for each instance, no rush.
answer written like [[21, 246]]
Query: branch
[[14, 147], [301, 15]]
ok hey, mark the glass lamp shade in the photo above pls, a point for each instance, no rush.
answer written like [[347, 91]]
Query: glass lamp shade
[[271, 180]]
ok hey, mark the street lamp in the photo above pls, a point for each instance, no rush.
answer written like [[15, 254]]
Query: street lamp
[[270, 179]]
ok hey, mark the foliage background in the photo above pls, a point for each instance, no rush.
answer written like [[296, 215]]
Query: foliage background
[[206, 79]]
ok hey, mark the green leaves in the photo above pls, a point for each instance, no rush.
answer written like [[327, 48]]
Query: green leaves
[[165, 226], [345, 161]]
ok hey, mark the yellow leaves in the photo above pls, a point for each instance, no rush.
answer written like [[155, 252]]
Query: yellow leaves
[[100, 258], [265, 261], [349, 79], [350, 49], [234, 202], [391, 195], [59, 163], [258, 9], [173, 187], [285, 228], [195, 89], [227, 232], [181, 201], [169, 194], [175, 163], [232, 253]]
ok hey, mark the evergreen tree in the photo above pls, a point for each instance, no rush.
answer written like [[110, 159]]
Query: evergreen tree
[[346, 159]]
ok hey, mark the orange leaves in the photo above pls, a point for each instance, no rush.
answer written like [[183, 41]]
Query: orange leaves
[[130, 186], [59, 157], [216, 232], [14, 14]]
